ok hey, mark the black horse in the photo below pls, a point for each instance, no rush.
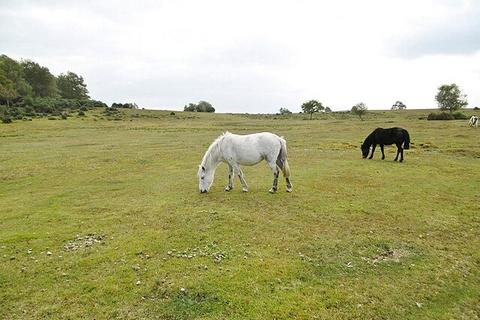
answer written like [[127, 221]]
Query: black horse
[[398, 136]]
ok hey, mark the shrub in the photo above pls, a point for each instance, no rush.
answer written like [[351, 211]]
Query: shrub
[[447, 116], [81, 113], [172, 113], [440, 116], [460, 116], [6, 119]]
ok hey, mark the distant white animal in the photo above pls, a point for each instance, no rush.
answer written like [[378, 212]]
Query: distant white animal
[[473, 122], [248, 150]]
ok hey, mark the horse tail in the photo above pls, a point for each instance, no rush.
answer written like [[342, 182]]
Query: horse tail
[[406, 144], [282, 161]]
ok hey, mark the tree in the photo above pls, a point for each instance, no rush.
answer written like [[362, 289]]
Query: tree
[[311, 107], [328, 110], [71, 86], [202, 106], [39, 78], [7, 89], [398, 106], [12, 70], [359, 109], [284, 111], [449, 97], [191, 107]]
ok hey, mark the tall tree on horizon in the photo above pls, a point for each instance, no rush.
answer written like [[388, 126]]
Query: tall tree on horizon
[[72, 86], [43, 83]]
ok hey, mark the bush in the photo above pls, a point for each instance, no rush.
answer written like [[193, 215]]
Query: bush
[[476, 108], [6, 119], [447, 116], [460, 116], [440, 116], [81, 113]]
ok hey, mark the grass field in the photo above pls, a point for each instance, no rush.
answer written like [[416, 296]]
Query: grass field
[[103, 220]]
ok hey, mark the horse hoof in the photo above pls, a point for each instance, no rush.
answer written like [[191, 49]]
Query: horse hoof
[[245, 190], [289, 190], [227, 189], [272, 191]]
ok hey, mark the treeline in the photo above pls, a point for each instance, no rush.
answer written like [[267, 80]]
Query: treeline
[[28, 89]]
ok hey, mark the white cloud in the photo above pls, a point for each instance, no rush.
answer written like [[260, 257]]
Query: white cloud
[[252, 56]]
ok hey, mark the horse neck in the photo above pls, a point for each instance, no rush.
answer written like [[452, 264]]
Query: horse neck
[[212, 156], [368, 140]]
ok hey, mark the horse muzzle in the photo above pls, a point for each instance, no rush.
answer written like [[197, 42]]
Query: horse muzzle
[[203, 191]]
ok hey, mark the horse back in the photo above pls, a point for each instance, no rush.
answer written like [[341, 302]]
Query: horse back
[[390, 136]]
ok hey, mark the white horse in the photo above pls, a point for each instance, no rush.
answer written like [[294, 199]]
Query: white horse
[[248, 150], [473, 122]]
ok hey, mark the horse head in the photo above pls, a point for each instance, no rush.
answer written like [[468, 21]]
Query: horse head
[[205, 179], [365, 150]]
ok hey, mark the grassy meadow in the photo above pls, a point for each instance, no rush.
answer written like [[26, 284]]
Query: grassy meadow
[[102, 219]]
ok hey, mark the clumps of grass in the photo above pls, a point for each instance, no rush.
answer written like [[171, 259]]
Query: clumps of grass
[[464, 152], [83, 242], [388, 255], [209, 250], [428, 145], [183, 302]]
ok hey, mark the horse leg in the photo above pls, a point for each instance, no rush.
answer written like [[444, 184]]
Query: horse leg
[[383, 153], [230, 178], [289, 184], [373, 150], [240, 176], [401, 154], [398, 152], [276, 172]]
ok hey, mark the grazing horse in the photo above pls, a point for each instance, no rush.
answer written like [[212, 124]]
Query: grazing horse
[[473, 122], [248, 150], [381, 136]]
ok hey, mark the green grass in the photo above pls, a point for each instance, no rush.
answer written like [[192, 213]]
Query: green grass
[[357, 239]]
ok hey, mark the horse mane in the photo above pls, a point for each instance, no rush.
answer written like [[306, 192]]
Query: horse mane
[[213, 150], [369, 139]]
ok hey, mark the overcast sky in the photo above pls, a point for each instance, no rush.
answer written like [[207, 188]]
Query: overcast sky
[[253, 56]]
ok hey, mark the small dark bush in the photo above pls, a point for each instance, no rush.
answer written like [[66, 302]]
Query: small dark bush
[[52, 118], [172, 113], [6, 119], [476, 108], [440, 116], [81, 113], [447, 116], [64, 115], [460, 116], [83, 108]]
